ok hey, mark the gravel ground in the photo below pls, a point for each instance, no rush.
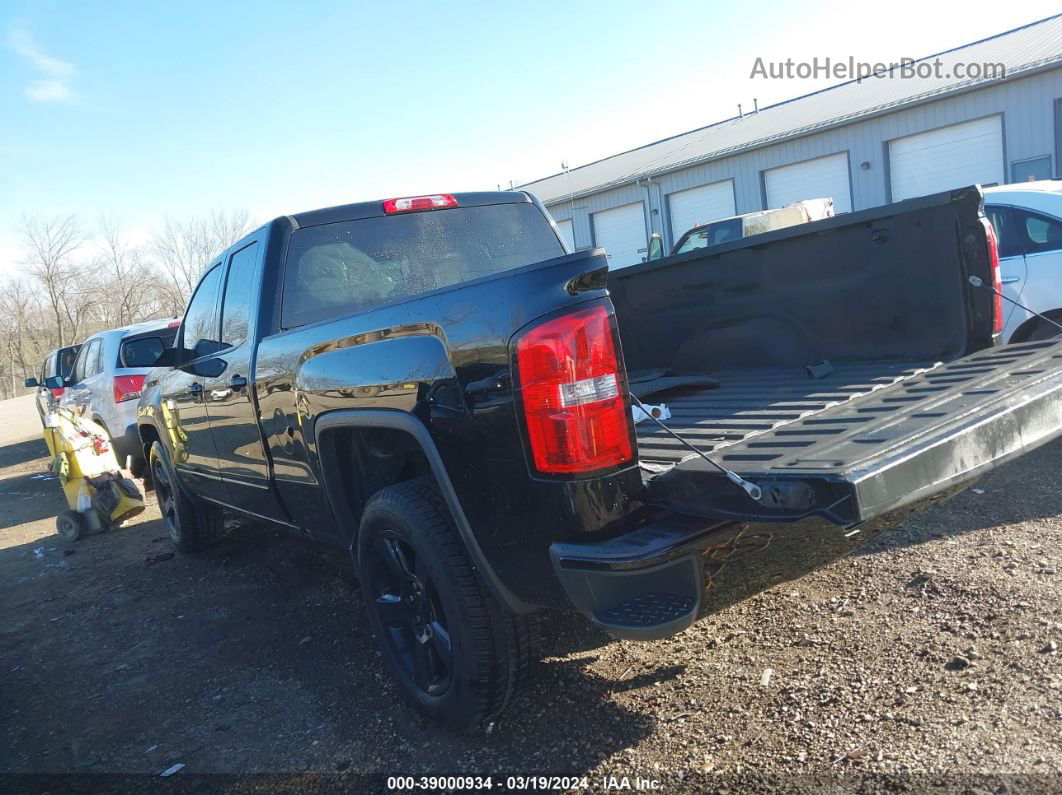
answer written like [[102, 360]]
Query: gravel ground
[[928, 661]]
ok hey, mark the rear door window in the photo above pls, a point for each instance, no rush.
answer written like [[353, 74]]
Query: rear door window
[[96, 363], [86, 362], [199, 330], [341, 268], [236, 307], [1008, 243]]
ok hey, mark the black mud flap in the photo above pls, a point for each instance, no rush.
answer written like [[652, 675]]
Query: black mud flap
[[893, 447]]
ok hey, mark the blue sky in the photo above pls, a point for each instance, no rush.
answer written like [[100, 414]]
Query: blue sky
[[143, 110]]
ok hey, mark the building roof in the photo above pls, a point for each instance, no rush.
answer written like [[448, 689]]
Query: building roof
[[1024, 50]]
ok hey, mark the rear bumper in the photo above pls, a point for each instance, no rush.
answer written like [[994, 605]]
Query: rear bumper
[[658, 580], [643, 585]]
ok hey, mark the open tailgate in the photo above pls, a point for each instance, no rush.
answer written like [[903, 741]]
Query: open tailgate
[[887, 449]]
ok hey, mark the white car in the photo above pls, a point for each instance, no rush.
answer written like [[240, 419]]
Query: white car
[[107, 378], [1028, 221]]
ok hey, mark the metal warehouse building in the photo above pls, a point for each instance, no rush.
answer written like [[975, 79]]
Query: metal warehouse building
[[862, 143]]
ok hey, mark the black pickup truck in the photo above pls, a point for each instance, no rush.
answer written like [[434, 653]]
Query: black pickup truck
[[435, 384]]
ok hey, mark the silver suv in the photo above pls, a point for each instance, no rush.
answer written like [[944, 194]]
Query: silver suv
[[107, 378]]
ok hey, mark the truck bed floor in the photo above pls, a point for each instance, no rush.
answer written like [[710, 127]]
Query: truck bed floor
[[755, 400], [867, 440]]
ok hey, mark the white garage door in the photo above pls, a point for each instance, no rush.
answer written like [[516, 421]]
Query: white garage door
[[946, 158], [821, 178], [690, 208], [621, 232], [567, 234]]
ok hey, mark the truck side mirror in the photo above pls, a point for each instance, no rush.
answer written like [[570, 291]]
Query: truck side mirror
[[54, 382], [32, 383]]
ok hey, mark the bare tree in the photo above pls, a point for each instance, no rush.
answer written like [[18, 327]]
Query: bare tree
[[184, 248], [227, 228], [49, 245], [22, 338], [62, 296], [81, 302], [126, 282]]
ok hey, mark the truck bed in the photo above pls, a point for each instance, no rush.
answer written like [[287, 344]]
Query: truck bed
[[861, 443], [750, 402]]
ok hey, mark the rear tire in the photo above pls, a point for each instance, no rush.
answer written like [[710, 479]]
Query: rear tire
[[192, 524], [139, 470], [457, 654]]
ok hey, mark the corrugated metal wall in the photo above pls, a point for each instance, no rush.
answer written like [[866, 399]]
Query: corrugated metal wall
[[1029, 130]]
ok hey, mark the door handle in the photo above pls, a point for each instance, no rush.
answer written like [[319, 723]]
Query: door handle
[[1010, 279], [237, 382], [195, 388]]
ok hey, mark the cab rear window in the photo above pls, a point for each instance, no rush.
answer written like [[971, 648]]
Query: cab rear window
[[336, 269], [145, 351]]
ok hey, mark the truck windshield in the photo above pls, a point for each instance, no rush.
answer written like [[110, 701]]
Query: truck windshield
[[339, 268]]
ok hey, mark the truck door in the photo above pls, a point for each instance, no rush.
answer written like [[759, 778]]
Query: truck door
[[229, 394], [182, 390]]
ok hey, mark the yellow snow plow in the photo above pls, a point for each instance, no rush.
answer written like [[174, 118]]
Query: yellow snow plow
[[99, 495]]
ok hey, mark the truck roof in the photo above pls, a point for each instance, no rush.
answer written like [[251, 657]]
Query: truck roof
[[373, 209], [1041, 185]]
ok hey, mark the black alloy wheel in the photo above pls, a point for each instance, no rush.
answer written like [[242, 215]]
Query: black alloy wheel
[[407, 603], [193, 524]]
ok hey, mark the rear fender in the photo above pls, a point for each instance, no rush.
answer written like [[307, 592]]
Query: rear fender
[[326, 426]]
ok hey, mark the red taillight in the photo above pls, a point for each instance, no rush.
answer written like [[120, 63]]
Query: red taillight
[[127, 387], [412, 204], [573, 396], [997, 278], [58, 392]]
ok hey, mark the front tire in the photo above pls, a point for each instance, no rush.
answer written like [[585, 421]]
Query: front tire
[[457, 654], [192, 524]]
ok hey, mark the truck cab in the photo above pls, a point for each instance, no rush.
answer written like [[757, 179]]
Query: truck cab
[[754, 223]]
